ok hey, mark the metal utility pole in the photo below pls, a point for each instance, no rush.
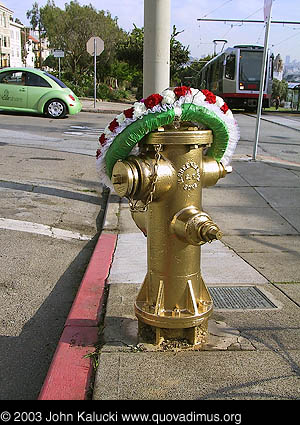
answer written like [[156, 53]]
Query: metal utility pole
[[156, 65], [262, 76], [95, 47]]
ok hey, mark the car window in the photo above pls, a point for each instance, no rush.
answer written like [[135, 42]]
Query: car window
[[13, 77], [60, 83], [35, 80]]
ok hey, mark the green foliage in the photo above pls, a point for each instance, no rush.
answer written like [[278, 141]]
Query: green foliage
[[34, 17], [71, 28], [85, 88], [279, 88], [130, 50], [179, 56], [189, 75], [50, 61], [120, 65]]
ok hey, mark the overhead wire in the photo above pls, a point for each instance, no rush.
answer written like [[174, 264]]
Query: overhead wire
[[282, 41], [209, 13], [219, 7]]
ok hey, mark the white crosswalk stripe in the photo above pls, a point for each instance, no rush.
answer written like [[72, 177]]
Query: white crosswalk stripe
[[41, 229], [77, 130]]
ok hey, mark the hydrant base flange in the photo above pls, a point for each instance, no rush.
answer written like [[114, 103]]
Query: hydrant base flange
[[194, 336], [155, 308]]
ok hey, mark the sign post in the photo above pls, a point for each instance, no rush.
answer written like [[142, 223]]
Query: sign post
[[267, 18], [95, 47], [59, 54]]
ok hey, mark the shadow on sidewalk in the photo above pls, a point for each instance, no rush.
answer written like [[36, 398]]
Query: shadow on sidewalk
[[25, 359]]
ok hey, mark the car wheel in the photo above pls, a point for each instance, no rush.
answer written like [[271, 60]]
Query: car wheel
[[55, 108]]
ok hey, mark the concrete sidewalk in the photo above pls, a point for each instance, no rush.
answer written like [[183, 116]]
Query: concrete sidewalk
[[103, 106], [290, 121], [252, 353]]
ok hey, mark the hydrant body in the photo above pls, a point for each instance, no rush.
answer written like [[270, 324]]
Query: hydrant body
[[164, 186]]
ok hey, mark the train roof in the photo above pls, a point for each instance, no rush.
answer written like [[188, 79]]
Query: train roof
[[251, 47], [248, 46]]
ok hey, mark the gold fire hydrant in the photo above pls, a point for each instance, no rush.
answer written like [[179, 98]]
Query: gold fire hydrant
[[164, 187]]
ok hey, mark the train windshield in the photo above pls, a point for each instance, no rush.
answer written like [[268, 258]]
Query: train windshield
[[250, 66]]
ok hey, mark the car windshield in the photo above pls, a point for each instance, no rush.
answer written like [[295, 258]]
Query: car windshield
[[60, 83]]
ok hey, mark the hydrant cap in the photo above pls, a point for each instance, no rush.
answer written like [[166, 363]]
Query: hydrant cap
[[186, 104]]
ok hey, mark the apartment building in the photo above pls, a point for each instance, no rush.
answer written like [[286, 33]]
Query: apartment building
[[5, 17], [15, 44], [12, 42]]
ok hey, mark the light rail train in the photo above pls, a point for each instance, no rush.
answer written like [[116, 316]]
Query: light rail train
[[234, 75]]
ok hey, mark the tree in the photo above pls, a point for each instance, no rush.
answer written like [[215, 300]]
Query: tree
[[34, 15], [71, 28], [131, 51], [279, 89], [189, 75], [179, 56]]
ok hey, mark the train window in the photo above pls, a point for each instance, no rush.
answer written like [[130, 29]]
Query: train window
[[230, 67], [221, 69], [250, 66]]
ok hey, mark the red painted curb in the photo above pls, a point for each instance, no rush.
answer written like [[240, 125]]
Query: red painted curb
[[70, 372], [87, 306]]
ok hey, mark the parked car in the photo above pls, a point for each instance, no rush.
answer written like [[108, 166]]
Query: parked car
[[33, 90]]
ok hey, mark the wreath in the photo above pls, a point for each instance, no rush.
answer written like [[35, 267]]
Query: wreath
[[122, 134]]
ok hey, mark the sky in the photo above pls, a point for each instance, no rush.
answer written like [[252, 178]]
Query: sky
[[199, 35]]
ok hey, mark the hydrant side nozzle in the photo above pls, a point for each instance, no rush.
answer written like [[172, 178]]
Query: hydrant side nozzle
[[213, 171], [125, 178]]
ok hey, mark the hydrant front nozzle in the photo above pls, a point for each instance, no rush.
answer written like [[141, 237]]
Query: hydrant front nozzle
[[209, 232], [195, 227]]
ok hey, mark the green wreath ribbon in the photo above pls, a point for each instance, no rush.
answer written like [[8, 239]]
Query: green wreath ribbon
[[131, 135]]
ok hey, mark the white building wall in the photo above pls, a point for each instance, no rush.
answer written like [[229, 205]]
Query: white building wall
[[30, 58], [5, 15], [15, 44]]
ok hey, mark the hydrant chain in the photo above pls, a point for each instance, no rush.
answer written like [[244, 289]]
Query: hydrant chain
[[153, 178]]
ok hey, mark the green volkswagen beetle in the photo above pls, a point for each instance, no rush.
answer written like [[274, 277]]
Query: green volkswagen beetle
[[33, 90]]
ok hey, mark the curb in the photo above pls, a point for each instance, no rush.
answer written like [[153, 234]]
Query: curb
[[274, 122], [102, 111], [70, 373]]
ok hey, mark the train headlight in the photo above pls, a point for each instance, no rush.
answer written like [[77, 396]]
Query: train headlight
[[242, 87]]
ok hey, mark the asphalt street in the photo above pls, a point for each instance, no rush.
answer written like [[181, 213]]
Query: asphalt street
[[51, 210]]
